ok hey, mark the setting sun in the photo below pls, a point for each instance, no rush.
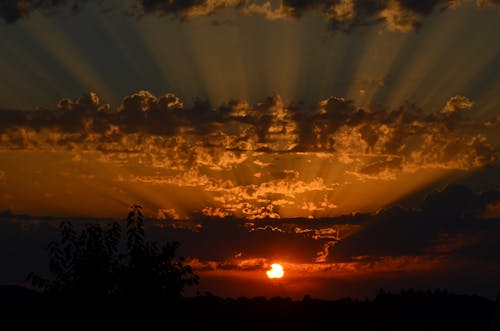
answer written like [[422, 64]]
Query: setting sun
[[276, 271]]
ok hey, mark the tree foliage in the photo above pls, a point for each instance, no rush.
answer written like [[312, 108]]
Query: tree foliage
[[95, 261]]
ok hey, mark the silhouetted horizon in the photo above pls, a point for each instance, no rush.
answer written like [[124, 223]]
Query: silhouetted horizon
[[406, 309]]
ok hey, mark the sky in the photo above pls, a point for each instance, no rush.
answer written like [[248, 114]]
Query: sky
[[354, 142]]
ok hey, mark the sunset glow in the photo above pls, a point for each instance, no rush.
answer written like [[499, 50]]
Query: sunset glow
[[355, 142]]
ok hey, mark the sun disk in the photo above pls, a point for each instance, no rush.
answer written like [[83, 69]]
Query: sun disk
[[276, 271]]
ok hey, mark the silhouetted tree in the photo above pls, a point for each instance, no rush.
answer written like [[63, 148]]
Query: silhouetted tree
[[135, 234], [152, 269], [89, 262], [83, 263]]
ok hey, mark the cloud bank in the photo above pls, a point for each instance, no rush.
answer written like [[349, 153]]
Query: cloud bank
[[257, 160], [372, 141], [343, 15]]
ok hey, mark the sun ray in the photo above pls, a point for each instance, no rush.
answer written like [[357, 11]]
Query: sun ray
[[62, 47], [422, 52], [216, 53], [44, 79]]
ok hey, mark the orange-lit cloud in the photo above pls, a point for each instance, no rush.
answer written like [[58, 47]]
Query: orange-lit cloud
[[256, 160], [371, 141], [166, 214]]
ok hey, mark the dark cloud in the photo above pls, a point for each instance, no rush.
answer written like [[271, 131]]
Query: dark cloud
[[183, 9], [396, 15], [449, 222], [221, 239], [14, 10], [343, 15]]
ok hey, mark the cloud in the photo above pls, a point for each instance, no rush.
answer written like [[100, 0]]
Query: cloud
[[225, 243], [14, 10], [375, 143], [456, 104], [260, 160], [167, 214], [449, 221], [216, 212], [183, 9], [259, 200], [448, 230], [313, 207], [340, 15], [374, 140], [11, 11], [487, 3], [220, 240]]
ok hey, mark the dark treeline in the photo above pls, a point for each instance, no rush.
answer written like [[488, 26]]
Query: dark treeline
[[406, 310]]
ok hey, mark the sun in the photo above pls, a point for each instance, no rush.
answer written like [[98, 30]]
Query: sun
[[276, 271]]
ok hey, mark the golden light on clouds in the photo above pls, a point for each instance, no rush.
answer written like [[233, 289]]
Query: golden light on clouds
[[271, 159]]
